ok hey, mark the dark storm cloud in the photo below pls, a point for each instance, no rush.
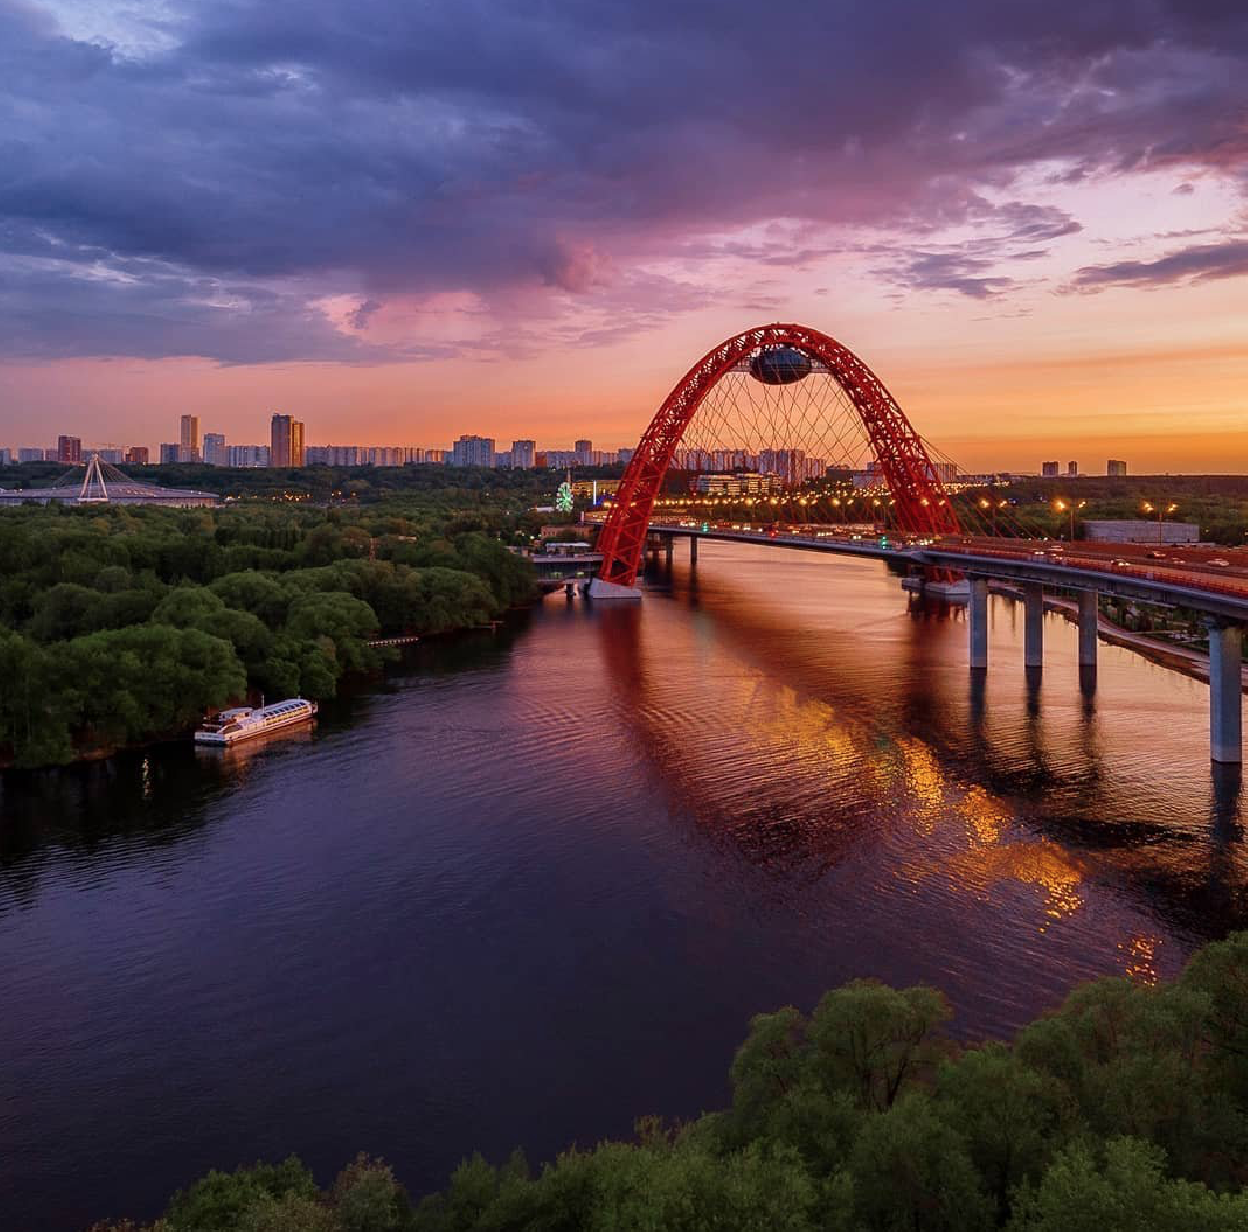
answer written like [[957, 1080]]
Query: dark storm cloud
[[1200, 263], [386, 148]]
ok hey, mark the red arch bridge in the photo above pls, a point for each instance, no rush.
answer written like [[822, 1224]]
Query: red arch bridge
[[777, 407]]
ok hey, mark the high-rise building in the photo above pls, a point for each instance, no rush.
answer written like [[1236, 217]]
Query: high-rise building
[[585, 452], [110, 454], [524, 454], [29, 453], [248, 456], [1072, 468], [625, 455], [286, 441], [335, 455], [6, 457], [215, 451], [68, 449], [382, 455], [1048, 470], [137, 455], [190, 438], [1115, 466], [169, 452], [473, 451], [439, 457]]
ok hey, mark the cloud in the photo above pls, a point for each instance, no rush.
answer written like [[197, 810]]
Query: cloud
[[386, 151], [575, 267], [359, 317], [948, 272], [1199, 263]]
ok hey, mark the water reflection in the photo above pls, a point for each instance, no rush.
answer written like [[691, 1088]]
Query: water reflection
[[857, 741], [621, 830]]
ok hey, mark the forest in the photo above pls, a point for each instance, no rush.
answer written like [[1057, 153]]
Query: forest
[[124, 624], [319, 484], [1126, 1110], [1218, 504]]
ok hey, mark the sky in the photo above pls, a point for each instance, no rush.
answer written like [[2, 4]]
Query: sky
[[400, 220]]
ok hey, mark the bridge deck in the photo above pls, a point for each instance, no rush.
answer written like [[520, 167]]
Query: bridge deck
[[1183, 576]]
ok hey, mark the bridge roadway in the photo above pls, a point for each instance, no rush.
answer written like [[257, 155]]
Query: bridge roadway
[[1210, 581]]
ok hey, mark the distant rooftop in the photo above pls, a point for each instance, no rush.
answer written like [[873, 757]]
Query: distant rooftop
[[101, 483]]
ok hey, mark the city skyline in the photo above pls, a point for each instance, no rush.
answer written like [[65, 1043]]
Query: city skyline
[[1032, 223], [469, 449]]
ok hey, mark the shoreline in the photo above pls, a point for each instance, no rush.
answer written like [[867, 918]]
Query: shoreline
[[1191, 663], [94, 755]]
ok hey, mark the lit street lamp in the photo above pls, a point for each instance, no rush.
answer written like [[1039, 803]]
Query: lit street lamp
[[993, 506], [1062, 506], [1161, 511]]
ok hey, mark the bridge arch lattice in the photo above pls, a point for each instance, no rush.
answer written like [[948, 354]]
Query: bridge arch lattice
[[919, 502]]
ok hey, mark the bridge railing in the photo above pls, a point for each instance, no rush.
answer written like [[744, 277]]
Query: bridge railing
[[1198, 576]]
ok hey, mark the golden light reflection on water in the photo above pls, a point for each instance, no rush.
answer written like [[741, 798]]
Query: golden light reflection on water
[[803, 775], [985, 857], [1140, 955]]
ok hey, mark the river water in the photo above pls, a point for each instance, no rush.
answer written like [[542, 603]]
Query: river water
[[534, 885]]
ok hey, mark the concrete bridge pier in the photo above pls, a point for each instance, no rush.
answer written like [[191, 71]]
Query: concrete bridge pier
[[1033, 625], [1089, 616], [693, 549], [1226, 655], [977, 623], [669, 550]]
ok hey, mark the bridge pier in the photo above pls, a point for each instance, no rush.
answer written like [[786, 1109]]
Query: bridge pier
[[669, 549], [977, 623], [1226, 654], [1033, 625], [598, 589], [1089, 618], [693, 549]]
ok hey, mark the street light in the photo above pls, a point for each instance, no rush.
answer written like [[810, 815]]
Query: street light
[[1062, 506], [1161, 511]]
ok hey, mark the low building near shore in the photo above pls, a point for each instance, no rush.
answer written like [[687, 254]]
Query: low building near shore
[[1140, 530]]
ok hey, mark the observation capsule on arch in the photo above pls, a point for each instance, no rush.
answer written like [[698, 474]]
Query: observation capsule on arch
[[780, 365]]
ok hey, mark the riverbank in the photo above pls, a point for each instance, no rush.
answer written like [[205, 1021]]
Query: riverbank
[[724, 801], [904, 1098], [1177, 658], [392, 648]]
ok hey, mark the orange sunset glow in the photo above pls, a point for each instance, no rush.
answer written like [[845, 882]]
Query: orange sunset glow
[[1042, 249]]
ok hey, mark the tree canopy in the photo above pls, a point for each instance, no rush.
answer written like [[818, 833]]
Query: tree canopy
[[1123, 1111], [123, 624]]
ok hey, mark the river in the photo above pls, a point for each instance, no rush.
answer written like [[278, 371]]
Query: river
[[535, 884]]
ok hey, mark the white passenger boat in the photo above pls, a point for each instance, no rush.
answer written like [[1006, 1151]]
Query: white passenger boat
[[242, 723]]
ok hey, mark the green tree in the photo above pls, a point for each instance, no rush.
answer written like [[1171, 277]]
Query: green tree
[[219, 1201], [872, 1040], [367, 1198], [64, 611], [1122, 1188], [1219, 973], [37, 703], [258, 593], [1010, 1116], [913, 1173]]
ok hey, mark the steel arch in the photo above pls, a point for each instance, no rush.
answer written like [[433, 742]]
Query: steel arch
[[919, 501]]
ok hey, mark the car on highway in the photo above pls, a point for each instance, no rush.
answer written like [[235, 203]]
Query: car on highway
[[1220, 562]]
